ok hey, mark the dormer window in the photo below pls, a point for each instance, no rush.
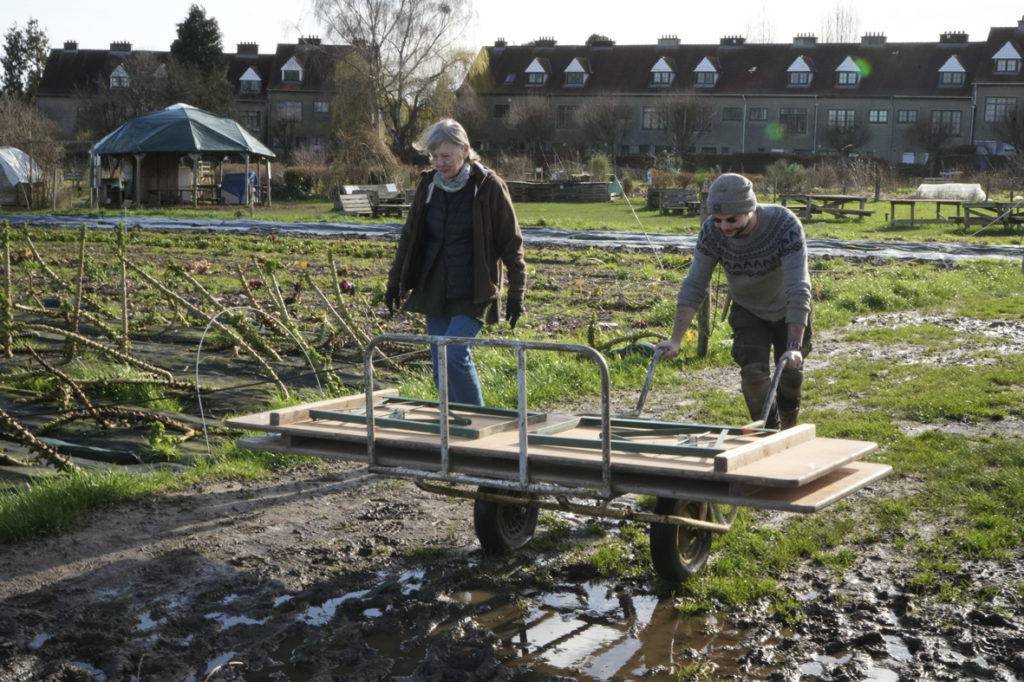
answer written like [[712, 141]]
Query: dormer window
[[800, 73], [291, 72], [119, 78], [1007, 60], [576, 73], [250, 83], [951, 78], [705, 75], [847, 74], [537, 73], [952, 73], [662, 74]]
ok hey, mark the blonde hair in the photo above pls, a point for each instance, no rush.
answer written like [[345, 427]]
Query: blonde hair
[[446, 130]]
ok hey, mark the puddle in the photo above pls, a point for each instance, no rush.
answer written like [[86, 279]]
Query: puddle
[[319, 616], [38, 641]]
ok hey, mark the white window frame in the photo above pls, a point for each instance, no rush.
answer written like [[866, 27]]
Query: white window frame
[[997, 109], [289, 110], [906, 116]]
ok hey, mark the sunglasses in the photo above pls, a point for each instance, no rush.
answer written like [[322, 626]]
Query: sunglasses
[[730, 220]]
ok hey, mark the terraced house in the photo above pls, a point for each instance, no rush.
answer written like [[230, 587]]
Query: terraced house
[[283, 98], [897, 101]]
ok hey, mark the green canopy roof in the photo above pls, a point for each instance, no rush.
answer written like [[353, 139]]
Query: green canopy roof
[[180, 128]]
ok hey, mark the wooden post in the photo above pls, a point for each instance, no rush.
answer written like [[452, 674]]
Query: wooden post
[[704, 311], [268, 183], [249, 199]]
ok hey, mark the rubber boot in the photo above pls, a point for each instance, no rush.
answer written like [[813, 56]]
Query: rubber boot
[[755, 380], [787, 418]]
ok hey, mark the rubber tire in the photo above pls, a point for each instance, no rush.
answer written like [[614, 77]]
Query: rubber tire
[[502, 528], [680, 552]]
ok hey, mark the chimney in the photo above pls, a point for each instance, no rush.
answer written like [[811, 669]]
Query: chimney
[[121, 46], [732, 41], [805, 40], [70, 45], [873, 39], [545, 41], [953, 38], [501, 42], [309, 40], [248, 49], [668, 42]]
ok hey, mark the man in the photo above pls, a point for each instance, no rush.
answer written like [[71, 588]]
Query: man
[[764, 255]]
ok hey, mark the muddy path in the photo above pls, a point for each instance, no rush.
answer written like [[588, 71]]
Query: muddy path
[[329, 573]]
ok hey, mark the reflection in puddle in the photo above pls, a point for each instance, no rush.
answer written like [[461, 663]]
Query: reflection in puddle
[[38, 640], [319, 616], [227, 621], [881, 674]]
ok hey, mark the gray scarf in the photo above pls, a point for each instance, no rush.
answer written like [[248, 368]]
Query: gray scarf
[[456, 182]]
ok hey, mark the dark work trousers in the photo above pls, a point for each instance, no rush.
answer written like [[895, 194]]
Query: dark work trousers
[[755, 344]]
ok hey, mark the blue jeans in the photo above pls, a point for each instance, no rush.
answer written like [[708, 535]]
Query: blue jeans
[[463, 382]]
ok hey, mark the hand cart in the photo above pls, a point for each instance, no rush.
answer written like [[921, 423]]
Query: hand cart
[[513, 463]]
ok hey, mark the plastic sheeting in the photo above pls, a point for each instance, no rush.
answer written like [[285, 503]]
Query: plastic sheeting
[[963, 191], [551, 237]]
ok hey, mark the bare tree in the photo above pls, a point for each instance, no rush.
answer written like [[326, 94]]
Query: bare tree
[[761, 29], [686, 119], [840, 26], [531, 122], [934, 136], [20, 123], [404, 48], [604, 120], [846, 138], [1011, 130]]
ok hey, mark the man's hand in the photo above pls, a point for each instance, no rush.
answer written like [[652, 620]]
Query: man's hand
[[513, 311], [668, 349], [393, 299], [794, 359]]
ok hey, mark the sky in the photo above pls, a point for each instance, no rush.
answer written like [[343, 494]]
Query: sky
[[153, 25]]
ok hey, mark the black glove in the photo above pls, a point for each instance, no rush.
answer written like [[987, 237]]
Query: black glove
[[392, 299], [513, 309]]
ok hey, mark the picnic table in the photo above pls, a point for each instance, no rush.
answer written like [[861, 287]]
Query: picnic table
[[807, 205], [392, 206], [912, 203], [985, 213]]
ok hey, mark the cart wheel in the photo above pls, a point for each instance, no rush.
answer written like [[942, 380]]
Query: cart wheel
[[501, 527], [680, 552]]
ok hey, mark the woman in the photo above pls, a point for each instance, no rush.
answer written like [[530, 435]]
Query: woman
[[461, 228]]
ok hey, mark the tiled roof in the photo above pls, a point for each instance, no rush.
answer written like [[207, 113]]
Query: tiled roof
[[71, 71], [888, 69]]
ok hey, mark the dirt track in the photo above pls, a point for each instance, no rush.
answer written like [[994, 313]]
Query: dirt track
[[307, 578], [326, 573]]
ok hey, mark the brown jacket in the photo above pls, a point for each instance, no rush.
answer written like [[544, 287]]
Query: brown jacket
[[496, 239]]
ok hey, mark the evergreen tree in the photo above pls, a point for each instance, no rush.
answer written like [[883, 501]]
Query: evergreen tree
[[25, 53], [198, 73], [199, 43]]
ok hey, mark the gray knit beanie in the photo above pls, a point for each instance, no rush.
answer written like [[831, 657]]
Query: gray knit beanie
[[730, 194]]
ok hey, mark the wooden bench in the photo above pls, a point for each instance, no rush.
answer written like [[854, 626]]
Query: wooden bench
[[354, 204], [675, 200]]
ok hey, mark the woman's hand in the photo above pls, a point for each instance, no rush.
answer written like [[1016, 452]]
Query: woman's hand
[[393, 299], [513, 311]]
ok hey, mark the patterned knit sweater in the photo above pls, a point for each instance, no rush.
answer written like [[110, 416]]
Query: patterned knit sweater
[[766, 271]]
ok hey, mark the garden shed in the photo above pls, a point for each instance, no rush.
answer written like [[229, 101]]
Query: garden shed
[[19, 176], [174, 155]]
